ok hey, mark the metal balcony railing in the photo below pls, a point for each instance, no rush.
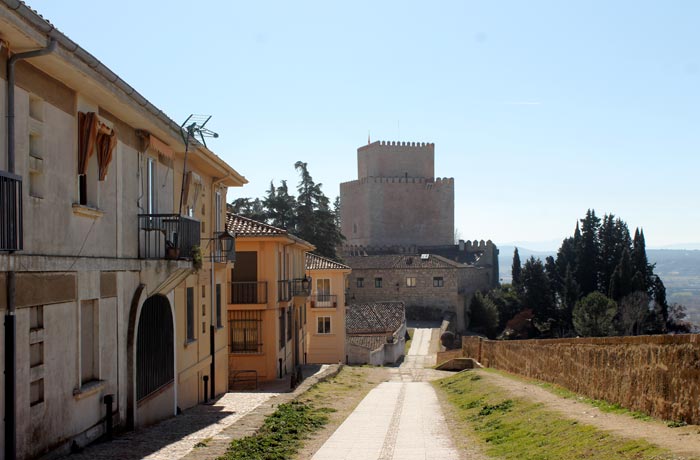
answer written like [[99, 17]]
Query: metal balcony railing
[[11, 235], [301, 287], [324, 301], [284, 291], [248, 292], [167, 236]]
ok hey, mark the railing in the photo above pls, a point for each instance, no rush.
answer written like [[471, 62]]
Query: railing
[[167, 236], [301, 287], [324, 301], [248, 292], [284, 291], [11, 235]]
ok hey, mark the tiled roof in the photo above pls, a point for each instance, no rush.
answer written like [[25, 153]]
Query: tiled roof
[[243, 226], [375, 318], [397, 261], [371, 342], [316, 262]]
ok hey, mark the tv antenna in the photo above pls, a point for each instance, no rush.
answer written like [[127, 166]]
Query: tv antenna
[[193, 132]]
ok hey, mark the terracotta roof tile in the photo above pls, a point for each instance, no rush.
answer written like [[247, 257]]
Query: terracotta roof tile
[[397, 261], [370, 342], [316, 262], [375, 318], [243, 226]]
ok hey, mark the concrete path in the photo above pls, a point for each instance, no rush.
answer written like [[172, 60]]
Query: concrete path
[[400, 419]]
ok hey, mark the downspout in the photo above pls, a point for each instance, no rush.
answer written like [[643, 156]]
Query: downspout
[[10, 317]]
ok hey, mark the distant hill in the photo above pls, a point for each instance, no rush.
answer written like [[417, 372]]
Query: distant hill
[[678, 268]]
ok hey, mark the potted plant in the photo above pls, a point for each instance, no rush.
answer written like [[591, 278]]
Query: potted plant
[[196, 257], [171, 252]]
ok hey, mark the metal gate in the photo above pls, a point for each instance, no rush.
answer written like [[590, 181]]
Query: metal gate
[[155, 358]]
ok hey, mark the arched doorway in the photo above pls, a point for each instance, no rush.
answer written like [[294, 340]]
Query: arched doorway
[[155, 357]]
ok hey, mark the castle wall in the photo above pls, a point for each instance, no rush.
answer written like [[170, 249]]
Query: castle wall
[[396, 159], [387, 211]]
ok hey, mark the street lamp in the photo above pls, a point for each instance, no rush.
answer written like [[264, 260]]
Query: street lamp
[[224, 244]]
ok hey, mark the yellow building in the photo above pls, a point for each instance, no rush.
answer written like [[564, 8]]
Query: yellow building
[[267, 311], [325, 340]]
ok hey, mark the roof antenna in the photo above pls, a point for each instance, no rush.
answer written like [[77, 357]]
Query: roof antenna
[[368, 140], [193, 132]]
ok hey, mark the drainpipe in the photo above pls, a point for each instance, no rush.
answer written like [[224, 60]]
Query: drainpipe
[[10, 318]]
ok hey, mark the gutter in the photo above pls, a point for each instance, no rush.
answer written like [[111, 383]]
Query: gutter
[[10, 317]]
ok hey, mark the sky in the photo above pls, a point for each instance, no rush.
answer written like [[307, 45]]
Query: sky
[[539, 109]]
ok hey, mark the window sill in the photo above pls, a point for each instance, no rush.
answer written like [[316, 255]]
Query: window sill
[[88, 389], [87, 211], [189, 341]]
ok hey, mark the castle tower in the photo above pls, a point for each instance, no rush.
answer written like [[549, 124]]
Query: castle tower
[[396, 199]]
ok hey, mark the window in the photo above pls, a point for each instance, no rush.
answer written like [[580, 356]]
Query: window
[[36, 317], [89, 341], [410, 281], [324, 325], [377, 282], [190, 314], [438, 281], [218, 306], [245, 331], [151, 185], [36, 392], [360, 282], [281, 328], [36, 354], [323, 292], [289, 323]]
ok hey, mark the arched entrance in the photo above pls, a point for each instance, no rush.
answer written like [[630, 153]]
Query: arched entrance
[[155, 357]]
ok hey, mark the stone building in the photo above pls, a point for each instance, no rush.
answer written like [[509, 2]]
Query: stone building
[[375, 333], [398, 221], [396, 199], [98, 282]]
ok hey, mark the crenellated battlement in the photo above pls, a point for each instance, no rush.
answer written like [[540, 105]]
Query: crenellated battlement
[[398, 144], [402, 180]]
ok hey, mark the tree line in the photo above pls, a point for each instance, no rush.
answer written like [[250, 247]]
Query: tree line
[[600, 284], [308, 216]]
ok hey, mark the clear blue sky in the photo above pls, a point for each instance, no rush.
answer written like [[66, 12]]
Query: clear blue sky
[[538, 109]]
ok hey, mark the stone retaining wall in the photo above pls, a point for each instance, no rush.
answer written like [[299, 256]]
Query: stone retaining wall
[[658, 375]]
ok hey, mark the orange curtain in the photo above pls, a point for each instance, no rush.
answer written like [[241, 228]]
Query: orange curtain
[[87, 134], [105, 148]]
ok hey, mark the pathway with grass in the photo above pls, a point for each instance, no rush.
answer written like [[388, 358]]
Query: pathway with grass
[[399, 419]]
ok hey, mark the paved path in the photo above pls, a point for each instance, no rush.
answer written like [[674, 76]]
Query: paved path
[[400, 419]]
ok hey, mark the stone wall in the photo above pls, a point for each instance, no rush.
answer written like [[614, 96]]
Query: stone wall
[[399, 159], [658, 375]]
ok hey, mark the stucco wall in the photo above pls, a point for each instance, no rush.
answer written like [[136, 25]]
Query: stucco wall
[[326, 348], [657, 375]]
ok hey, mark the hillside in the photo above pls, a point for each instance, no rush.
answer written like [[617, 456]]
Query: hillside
[[678, 268]]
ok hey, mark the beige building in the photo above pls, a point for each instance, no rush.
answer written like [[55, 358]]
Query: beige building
[[325, 342], [96, 250], [267, 307]]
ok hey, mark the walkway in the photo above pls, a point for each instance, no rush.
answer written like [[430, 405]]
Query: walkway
[[400, 419]]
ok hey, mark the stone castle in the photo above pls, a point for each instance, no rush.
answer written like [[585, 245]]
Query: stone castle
[[398, 221]]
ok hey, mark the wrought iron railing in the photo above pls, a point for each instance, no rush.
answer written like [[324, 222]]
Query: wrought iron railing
[[167, 236], [11, 235], [301, 287], [284, 291], [324, 301], [248, 292]]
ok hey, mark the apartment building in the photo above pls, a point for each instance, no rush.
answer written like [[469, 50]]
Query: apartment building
[[109, 236], [267, 307]]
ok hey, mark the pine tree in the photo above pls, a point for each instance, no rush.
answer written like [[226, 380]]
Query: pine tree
[[536, 291], [483, 315], [516, 270], [594, 316]]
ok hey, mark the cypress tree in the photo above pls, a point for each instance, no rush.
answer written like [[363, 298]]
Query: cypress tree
[[516, 270], [622, 282], [588, 253]]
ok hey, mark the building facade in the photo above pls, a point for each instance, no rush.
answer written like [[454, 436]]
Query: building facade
[[325, 342], [96, 249], [267, 307]]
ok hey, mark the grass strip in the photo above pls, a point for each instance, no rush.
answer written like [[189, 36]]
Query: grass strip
[[281, 435], [518, 429]]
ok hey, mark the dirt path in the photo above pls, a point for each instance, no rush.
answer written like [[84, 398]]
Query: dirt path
[[684, 441]]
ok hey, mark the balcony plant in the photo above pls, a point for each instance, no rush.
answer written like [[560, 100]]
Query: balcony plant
[[197, 257]]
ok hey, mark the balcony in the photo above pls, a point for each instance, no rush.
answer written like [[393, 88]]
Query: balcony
[[301, 287], [248, 292], [324, 301], [284, 291], [167, 236], [10, 212]]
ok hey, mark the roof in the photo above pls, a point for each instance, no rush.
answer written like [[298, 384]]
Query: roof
[[397, 261], [375, 318], [316, 262], [245, 227], [371, 342]]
